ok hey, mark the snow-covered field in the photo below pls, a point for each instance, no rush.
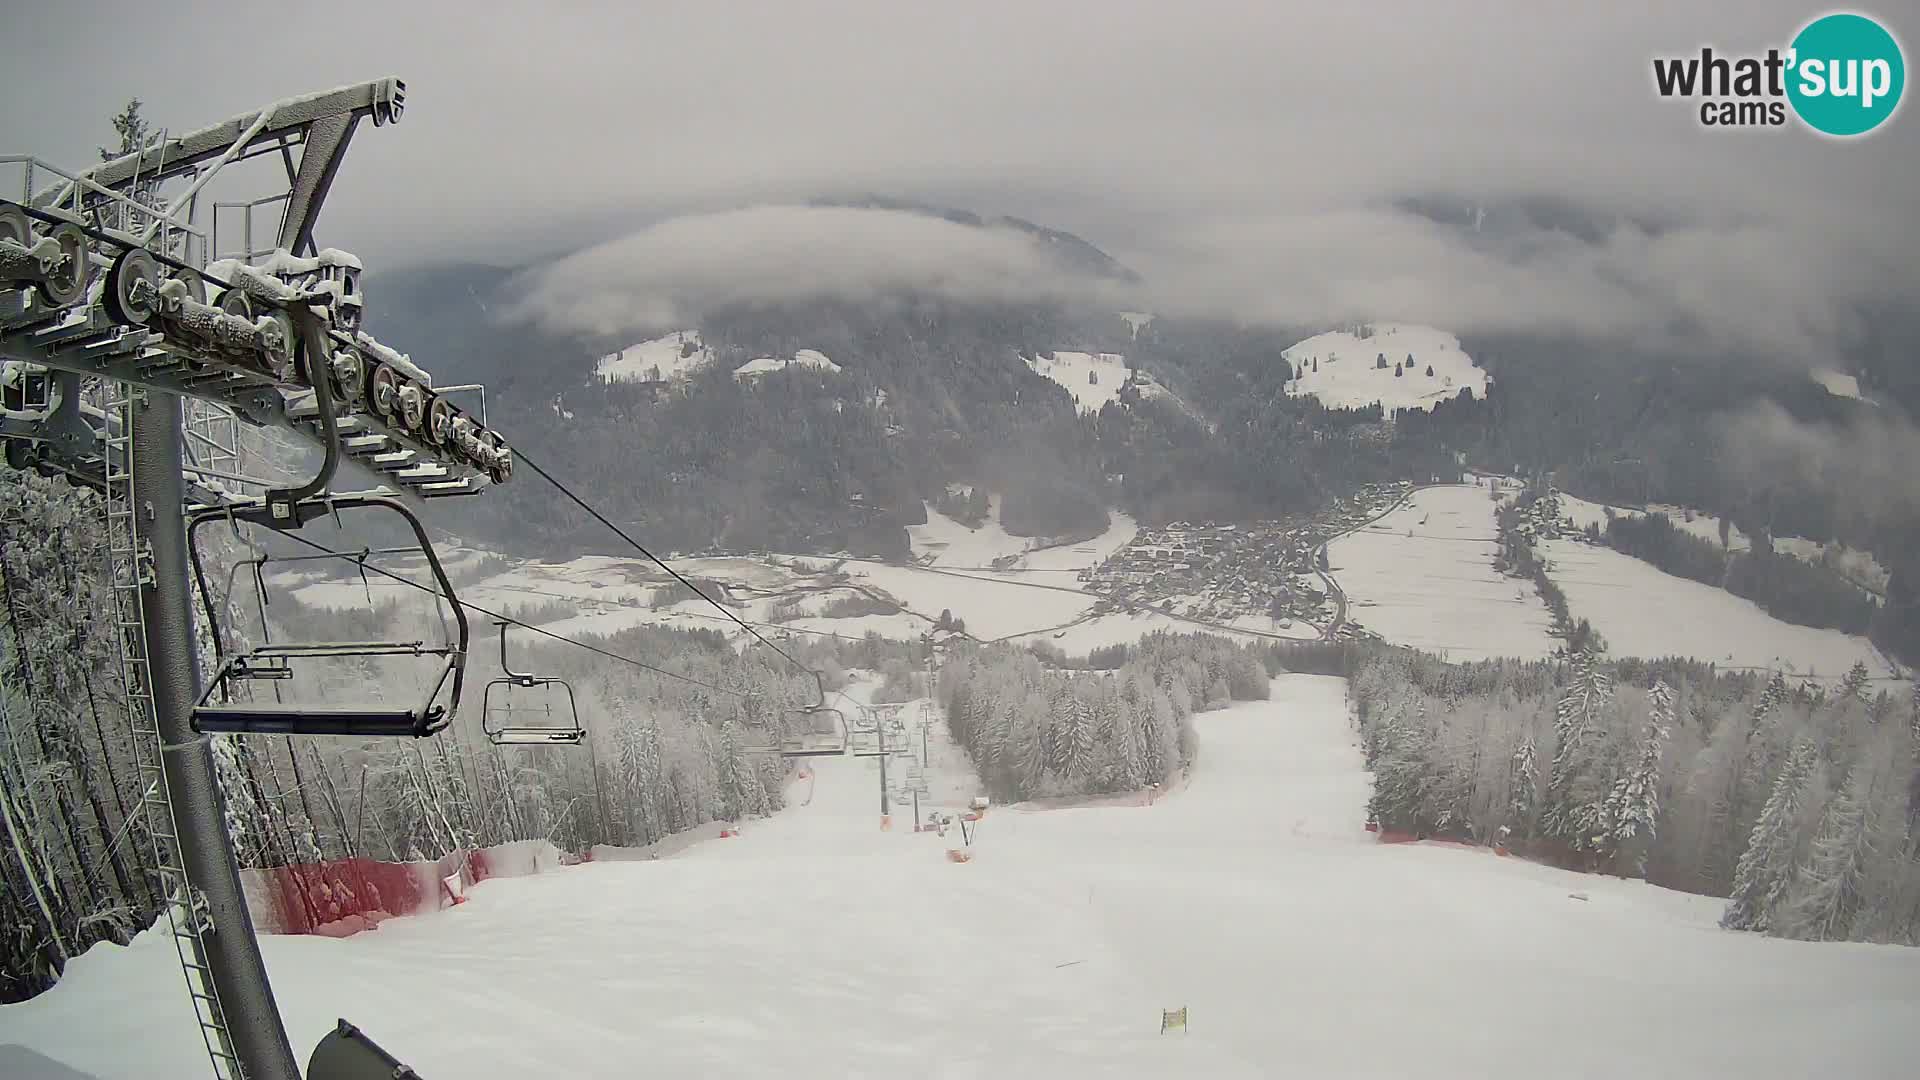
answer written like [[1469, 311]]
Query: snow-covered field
[[805, 358], [1641, 611], [816, 945], [1035, 593], [1837, 383], [1692, 522], [1120, 628], [946, 543], [993, 606], [1859, 567], [1348, 375], [658, 358], [1423, 576], [1092, 378]]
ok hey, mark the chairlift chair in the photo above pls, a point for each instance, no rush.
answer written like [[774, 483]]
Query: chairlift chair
[[512, 734], [812, 745], [219, 712]]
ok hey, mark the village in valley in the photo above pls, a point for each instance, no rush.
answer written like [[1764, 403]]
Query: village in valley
[[1231, 573]]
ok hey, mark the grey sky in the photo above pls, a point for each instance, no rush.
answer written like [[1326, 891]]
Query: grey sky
[[1244, 156]]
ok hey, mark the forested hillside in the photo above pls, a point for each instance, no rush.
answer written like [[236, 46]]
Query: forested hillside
[[1803, 809]]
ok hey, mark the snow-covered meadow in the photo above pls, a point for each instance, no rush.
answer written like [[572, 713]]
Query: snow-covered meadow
[[1093, 378], [1641, 611], [1423, 576], [1342, 369]]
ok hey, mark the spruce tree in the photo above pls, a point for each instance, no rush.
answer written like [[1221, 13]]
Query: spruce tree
[[1854, 686], [1523, 786], [1830, 889], [1578, 715], [1633, 806], [1766, 867]]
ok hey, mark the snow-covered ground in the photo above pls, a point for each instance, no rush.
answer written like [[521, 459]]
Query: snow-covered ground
[[946, 543], [942, 541], [1036, 593], [1695, 523], [1122, 628], [805, 358], [1350, 378], [1092, 378], [992, 606], [1641, 611], [1837, 383], [1423, 576], [1857, 566], [816, 945], [658, 358]]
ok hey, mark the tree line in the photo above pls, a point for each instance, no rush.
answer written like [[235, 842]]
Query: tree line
[[1035, 731], [662, 754], [1790, 589], [1799, 805]]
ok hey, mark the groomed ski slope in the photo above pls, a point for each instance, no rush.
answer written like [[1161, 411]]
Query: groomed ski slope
[[817, 946]]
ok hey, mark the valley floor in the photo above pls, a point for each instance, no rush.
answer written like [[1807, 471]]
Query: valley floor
[[817, 945]]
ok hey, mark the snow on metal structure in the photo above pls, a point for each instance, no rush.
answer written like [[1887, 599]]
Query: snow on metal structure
[[111, 317], [104, 274]]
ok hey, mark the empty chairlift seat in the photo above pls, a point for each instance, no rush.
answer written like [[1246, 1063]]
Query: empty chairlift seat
[[811, 742], [229, 705], [499, 709]]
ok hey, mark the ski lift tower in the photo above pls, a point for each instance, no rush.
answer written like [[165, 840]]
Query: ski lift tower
[[119, 303]]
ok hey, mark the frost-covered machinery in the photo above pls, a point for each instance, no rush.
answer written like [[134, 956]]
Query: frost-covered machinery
[[107, 272], [134, 346]]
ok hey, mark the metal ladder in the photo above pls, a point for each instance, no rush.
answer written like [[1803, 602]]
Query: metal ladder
[[130, 566]]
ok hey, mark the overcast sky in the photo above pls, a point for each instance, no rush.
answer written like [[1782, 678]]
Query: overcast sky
[[1245, 157]]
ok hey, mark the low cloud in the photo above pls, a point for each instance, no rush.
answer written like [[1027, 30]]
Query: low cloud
[[1760, 290], [1865, 462], [1765, 290], [672, 272]]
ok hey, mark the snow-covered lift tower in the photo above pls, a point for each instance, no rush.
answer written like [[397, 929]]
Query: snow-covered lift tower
[[119, 303]]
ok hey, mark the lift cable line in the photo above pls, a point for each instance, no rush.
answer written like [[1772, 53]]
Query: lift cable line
[[500, 617], [657, 561], [124, 320]]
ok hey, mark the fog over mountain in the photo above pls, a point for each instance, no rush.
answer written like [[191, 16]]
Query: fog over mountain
[[1255, 162]]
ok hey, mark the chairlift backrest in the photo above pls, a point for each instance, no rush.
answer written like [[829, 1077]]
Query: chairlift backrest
[[811, 743], [497, 701], [218, 711]]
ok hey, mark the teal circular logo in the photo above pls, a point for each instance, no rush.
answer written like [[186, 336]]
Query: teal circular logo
[[1846, 75]]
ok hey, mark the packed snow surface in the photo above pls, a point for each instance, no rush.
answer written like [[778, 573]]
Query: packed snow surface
[[1641, 611], [1423, 576], [1349, 376], [816, 945]]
